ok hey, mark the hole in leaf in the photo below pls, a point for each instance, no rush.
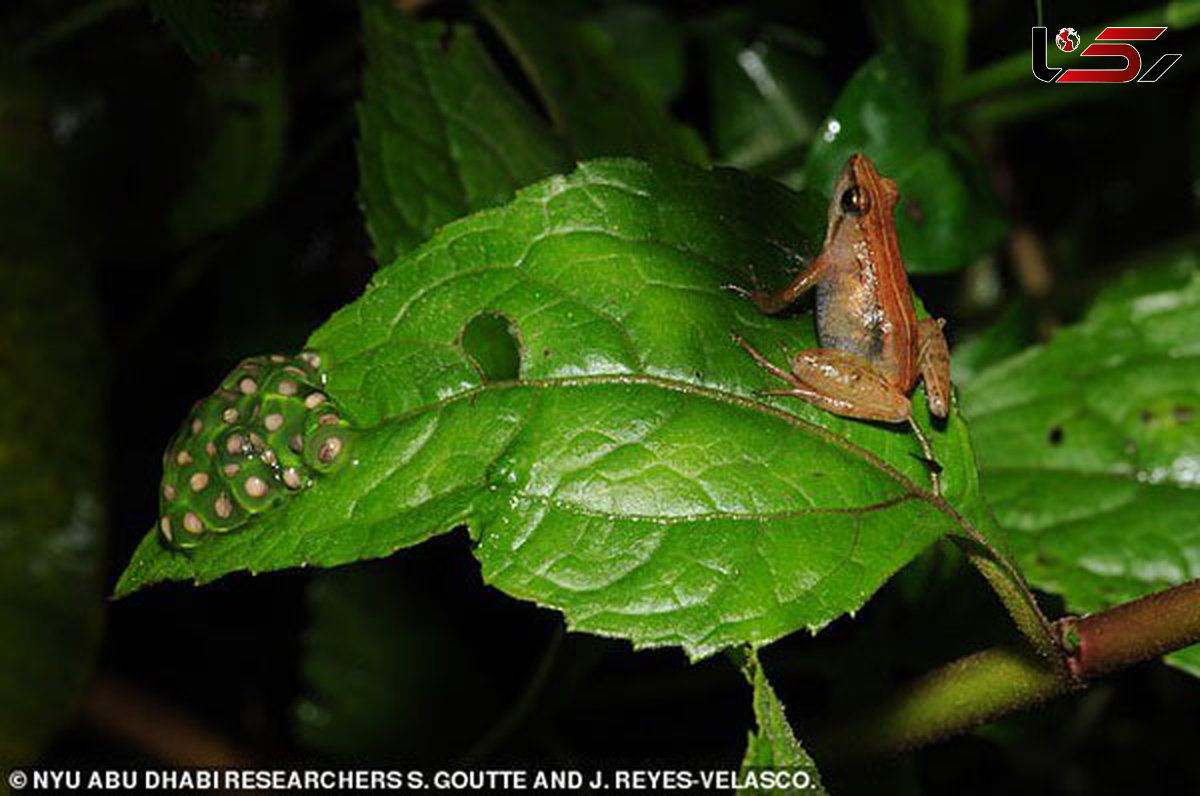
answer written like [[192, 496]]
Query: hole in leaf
[[1147, 417], [491, 341], [1184, 414], [1055, 437]]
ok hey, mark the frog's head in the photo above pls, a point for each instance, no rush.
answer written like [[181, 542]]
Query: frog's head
[[861, 194]]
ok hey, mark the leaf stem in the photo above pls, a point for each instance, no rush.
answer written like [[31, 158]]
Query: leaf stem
[[996, 682]]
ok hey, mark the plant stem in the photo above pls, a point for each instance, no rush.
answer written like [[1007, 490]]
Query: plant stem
[[996, 682]]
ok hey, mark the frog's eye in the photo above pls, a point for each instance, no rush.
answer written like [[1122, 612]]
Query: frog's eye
[[854, 201]]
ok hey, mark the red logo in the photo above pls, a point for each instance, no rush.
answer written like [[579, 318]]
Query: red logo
[[1068, 41]]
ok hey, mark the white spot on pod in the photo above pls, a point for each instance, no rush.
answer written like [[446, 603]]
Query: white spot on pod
[[256, 441], [223, 506], [164, 525], [330, 449], [291, 477], [192, 523], [269, 457], [169, 492], [198, 481], [314, 400], [288, 387], [273, 421], [255, 487], [312, 358], [210, 449], [248, 386], [197, 426], [231, 470], [230, 415], [235, 443], [296, 443], [278, 359], [328, 420], [183, 458]]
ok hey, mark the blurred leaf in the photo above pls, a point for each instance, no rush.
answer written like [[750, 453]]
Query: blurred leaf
[[1159, 271], [766, 100], [246, 105], [947, 214], [378, 670], [1010, 333], [631, 478], [207, 28], [593, 98], [442, 133], [50, 441], [650, 43], [773, 746], [933, 32], [1090, 447]]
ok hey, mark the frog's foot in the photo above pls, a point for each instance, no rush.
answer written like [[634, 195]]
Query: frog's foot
[[753, 292], [797, 262]]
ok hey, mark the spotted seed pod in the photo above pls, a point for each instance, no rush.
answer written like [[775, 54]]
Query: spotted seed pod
[[268, 432]]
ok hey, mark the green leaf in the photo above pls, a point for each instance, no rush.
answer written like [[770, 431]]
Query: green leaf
[[442, 132], [1089, 447], [947, 215], [593, 98], [51, 512], [207, 28], [631, 477], [767, 100], [1008, 335], [932, 31], [650, 43], [246, 104], [773, 746]]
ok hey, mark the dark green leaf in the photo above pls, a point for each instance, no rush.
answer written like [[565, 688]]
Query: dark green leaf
[[593, 98], [947, 214], [246, 105], [631, 478], [931, 31], [206, 28], [1010, 333], [50, 442], [767, 100], [442, 132], [773, 746], [1089, 447], [651, 45]]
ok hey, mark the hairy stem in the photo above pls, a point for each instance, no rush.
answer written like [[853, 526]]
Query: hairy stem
[[996, 682]]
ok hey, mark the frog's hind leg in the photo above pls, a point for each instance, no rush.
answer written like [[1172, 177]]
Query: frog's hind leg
[[838, 382], [933, 359]]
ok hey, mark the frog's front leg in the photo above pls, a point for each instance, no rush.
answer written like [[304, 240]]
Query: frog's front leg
[[838, 382], [933, 360], [774, 302]]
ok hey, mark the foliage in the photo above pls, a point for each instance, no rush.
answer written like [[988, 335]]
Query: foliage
[[496, 250]]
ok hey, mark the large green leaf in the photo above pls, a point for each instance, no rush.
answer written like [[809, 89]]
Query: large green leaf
[[631, 477], [592, 96], [1090, 446], [947, 214], [442, 132]]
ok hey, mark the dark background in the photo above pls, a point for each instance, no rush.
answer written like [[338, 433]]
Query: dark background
[[1114, 176]]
